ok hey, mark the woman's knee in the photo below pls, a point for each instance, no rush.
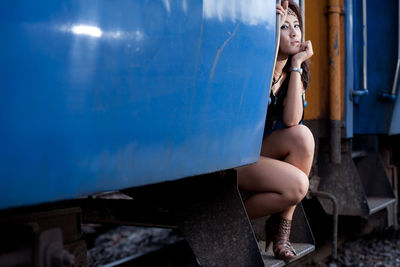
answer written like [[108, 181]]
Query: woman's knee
[[303, 140], [297, 189]]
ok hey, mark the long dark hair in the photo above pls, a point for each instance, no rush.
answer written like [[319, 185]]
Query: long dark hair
[[305, 77]]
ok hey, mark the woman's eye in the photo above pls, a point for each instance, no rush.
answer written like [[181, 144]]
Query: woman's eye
[[284, 27], [297, 25]]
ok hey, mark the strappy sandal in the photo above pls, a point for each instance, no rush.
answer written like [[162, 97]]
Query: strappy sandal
[[277, 231]]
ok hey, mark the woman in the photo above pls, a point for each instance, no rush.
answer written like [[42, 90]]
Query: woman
[[279, 179]]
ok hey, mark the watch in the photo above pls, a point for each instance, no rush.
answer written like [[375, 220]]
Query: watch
[[299, 70]]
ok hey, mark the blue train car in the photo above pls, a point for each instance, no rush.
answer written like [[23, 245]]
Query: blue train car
[[160, 100], [99, 95], [372, 90], [357, 164]]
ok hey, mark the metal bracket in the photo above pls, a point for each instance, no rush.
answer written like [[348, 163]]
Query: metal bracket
[[51, 250], [335, 218], [207, 209]]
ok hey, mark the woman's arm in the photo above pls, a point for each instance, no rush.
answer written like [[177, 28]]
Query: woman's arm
[[293, 104]]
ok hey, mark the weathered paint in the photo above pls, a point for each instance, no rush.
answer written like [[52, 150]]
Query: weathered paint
[[317, 31], [317, 93], [98, 95], [335, 67]]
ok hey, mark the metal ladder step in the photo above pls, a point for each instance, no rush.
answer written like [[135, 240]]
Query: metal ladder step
[[300, 237], [301, 249], [358, 154], [376, 204]]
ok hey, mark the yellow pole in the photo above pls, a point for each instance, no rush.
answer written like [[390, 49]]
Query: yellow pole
[[334, 11]]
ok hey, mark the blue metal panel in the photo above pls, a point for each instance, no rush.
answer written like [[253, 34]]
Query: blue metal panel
[[103, 95], [395, 123], [349, 78], [372, 115]]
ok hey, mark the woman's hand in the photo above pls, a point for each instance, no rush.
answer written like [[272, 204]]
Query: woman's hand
[[282, 10], [305, 53]]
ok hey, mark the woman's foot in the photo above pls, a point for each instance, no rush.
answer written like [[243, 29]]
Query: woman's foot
[[277, 230]]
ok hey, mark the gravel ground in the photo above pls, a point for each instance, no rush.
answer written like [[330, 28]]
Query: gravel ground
[[378, 249], [126, 241]]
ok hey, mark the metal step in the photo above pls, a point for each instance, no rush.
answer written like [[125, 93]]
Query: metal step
[[358, 153], [301, 249], [376, 204], [300, 237]]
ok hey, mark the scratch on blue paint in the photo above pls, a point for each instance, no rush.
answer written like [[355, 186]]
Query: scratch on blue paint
[[198, 51], [220, 51], [196, 70]]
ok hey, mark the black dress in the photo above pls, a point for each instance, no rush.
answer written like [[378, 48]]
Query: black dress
[[274, 120]]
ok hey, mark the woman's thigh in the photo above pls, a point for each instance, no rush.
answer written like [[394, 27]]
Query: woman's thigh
[[271, 175], [281, 143]]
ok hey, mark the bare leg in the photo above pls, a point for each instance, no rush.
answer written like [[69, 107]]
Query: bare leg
[[294, 145], [279, 186], [281, 174]]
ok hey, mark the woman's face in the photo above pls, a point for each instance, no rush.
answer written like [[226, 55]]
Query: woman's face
[[290, 36]]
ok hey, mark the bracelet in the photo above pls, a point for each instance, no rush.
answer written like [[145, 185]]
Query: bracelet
[[299, 70]]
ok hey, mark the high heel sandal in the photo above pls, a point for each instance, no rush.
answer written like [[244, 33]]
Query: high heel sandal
[[277, 231]]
